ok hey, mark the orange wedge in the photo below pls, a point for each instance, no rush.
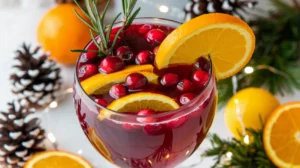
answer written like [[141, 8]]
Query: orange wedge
[[282, 136], [138, 101], [101, 83], [56, 159], [228, 41]]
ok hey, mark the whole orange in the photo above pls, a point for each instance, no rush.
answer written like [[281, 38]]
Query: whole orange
[[60, 31]]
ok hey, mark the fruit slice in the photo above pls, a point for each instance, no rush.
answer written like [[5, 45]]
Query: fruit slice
[[56, 159], [282, 136], [228, 41], [138, 101], [100, 83]]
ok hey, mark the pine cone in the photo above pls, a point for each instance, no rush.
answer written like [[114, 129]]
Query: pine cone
[[20, 138], [36, 80], [196, 8]]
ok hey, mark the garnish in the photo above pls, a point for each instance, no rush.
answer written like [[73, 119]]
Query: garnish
[[97, 26]]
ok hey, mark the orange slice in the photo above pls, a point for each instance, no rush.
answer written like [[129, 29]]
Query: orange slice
[[282, 136], [228, 41], [138, 101], [100, 83], [56, 159]]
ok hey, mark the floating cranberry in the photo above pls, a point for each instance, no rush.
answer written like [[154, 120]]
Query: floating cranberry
[[155, 50], [186, 98], [144, 113], [176, 123], [185, 86], [130, 126], [145, 28], [117, 91], [136, 82], [201, 78], [203, 64], [144, 57], [87, 71], [101, 102], [169, 79], [125, 53], [153, 129], [112, 38], [111, 64], [156, 36], [91, 54]]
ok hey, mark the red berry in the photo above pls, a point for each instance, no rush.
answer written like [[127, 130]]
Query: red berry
[[90, 55], [111, 64], [130, 126], [185, 86], [155, 50], [186, 98], [117, 91], [101, 102], [144, 113], [176, 123], [144, 57], [152, 129], [155, 36], [201, 78], [203, 64], [112, 38], [136, 82], [125, 53], [169, 79], [87, 71], [145, 28]]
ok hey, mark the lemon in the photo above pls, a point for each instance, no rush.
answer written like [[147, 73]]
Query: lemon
[[246, 107]]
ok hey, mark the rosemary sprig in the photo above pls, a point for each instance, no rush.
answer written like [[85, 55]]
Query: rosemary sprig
[[97, 25]]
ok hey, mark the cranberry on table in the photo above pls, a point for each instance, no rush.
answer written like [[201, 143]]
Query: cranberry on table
[[136, 82], [144, 57], [156, 36], [111, 64], [155, 50], [144, 113], [185, 85], [169, 79], [117, 91], [125, 53], [101, 102], [87, 71], [145, 28], [201, 78], [203, 64], [176, 122], [186, 98]]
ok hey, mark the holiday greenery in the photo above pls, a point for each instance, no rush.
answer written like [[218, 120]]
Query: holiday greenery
[[275, 60], [21, 136], [245, 153], [36, 79]]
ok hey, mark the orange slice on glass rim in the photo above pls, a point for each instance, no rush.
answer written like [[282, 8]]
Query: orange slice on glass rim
[[282, 136], [228, 40]]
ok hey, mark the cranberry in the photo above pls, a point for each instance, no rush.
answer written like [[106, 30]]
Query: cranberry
[[101, 102], [203, 64], [144, 113], [136, 82], [112, 38], [87, 71], [186, 98], [200, 77], [145, 28], [144, 57], [90, 55], [111, 64], [185, 86], [125, 53], [117, 91], [169, 79], [155, 50], [176, 123], [130, 127], [152, 129], [155, 36]]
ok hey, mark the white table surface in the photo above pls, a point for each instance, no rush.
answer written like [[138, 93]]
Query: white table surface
[[18, 24]]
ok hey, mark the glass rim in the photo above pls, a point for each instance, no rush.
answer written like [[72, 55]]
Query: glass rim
[[181, 108]]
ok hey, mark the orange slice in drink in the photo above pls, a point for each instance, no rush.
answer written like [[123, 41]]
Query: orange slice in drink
[[228, 41], [101, 83], [56, 159], [282, 136]]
